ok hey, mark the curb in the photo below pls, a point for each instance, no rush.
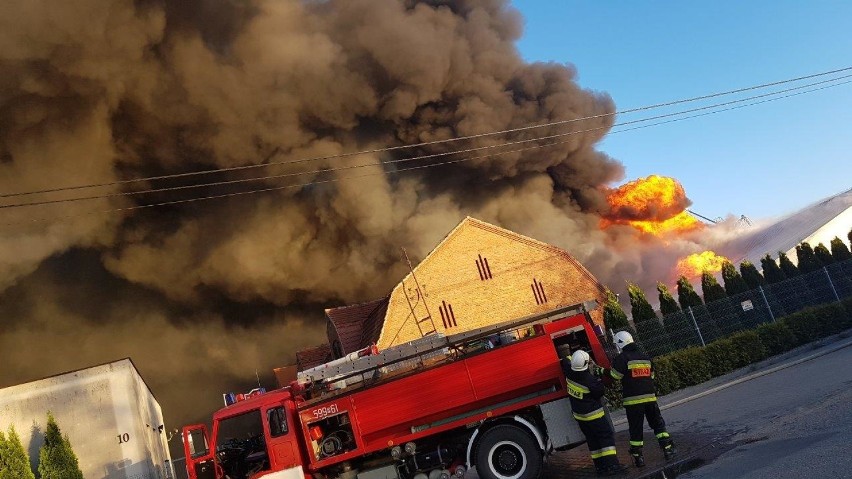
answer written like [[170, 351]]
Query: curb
[[749, 377]]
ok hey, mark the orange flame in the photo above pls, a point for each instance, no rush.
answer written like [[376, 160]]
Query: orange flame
[[682, 222], [693, 265], [654, 205]]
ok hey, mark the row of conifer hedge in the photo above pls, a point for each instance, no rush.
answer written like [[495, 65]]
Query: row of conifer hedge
[[691, 366]]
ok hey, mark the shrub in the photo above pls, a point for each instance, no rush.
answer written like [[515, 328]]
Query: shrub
[[694, 365], [746, 348], [690, 366], [776, 338], [817, 322], [802, 325], [613, 395], [666, 378], [831, 318], [847, 305], [719, 357]]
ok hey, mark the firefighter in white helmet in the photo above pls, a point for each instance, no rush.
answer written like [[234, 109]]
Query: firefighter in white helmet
[[636, 372], [585, 392]]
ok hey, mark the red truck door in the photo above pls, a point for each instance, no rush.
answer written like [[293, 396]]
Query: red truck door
[[282, 440], [196, 449]]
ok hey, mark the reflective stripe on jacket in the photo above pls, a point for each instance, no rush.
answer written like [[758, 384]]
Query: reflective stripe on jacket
[[636, 372]]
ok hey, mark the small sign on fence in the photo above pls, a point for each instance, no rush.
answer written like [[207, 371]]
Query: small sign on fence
[[747, 306]]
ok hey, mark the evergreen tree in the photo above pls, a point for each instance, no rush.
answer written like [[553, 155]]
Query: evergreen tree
[[751, 275], [639, 305], [711, 288], [686, 294], [734, 283], [56, 458], [771, 271], [823, 255], [3, 447], [614, 316], [668, 305], [650, 331], [790, 270], [14, 462], [839, 250], [806, 258]]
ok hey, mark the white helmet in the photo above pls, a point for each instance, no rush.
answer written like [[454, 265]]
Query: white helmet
[[622, 339], [579, 360]]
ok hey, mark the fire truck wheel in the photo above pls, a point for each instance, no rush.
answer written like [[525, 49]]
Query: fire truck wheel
[[508, 452]]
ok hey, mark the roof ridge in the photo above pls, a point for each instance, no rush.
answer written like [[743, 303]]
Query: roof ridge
[[541, 244], [355, 305]]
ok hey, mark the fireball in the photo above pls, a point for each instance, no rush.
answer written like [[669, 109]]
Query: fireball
[[682, 222], [655, 205], [693, 265]]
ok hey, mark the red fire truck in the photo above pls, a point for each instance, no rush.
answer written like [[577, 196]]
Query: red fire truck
[[494, 398]]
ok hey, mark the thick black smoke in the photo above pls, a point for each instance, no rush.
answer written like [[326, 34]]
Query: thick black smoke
[[201, 294]]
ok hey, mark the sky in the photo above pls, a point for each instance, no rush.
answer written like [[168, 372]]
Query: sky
[[761, 161]]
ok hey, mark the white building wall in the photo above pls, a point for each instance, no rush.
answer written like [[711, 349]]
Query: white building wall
[[107, 412]]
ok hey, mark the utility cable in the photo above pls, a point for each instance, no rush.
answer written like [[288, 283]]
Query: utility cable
[[427, 143], [434, 155], [396, 171]]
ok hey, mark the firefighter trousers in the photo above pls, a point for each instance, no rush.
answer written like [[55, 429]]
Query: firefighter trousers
[[636, 415], [601, 441]]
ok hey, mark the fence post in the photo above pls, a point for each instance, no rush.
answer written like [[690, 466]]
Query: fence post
[[768, 308], [830, 282], [696, 326]]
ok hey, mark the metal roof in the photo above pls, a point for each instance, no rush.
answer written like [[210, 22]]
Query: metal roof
[[308, 358], [358, 323], [789, 231]]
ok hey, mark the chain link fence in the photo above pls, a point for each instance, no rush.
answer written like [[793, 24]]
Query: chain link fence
[[701, 325]]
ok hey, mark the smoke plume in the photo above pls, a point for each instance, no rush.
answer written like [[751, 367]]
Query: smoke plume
[[203, 293]]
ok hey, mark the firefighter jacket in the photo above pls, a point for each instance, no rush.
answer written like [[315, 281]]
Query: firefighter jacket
[[636, 373], [585, 392]]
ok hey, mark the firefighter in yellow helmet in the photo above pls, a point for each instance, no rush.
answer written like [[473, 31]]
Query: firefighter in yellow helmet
[[585, 392], [636, 372]]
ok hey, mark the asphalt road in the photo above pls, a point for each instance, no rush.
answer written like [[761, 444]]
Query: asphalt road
[[796, 422]]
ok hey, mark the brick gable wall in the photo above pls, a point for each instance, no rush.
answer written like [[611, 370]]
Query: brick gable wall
[[482, 275]]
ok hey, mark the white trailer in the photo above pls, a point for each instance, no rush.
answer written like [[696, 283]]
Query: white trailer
[[112, 419]]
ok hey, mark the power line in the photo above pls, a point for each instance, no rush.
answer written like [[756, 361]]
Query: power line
[[428, 143], [396, 171], [448, 153]]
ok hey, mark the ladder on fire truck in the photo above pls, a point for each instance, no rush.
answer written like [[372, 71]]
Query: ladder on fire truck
[[409, 356], [426, 325]]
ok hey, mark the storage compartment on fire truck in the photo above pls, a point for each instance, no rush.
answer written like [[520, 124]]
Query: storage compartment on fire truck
[[571, 340], [331, 436]]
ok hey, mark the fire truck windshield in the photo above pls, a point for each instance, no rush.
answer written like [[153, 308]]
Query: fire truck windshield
[[240, 445]]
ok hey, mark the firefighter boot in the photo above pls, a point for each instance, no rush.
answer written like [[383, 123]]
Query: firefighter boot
[[638, 458], [668, 448]]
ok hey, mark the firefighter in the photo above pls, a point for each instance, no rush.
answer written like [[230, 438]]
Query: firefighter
[[585, 392], [636, 373]]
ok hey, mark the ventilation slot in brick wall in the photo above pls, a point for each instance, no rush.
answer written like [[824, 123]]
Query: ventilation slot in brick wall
[[447, 315], [483, 268], [538, 292]]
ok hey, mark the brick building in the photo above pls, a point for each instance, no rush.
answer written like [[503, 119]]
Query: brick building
[[479, 275]]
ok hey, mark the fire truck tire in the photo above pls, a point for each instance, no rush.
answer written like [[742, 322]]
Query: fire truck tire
[[508, 452]]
